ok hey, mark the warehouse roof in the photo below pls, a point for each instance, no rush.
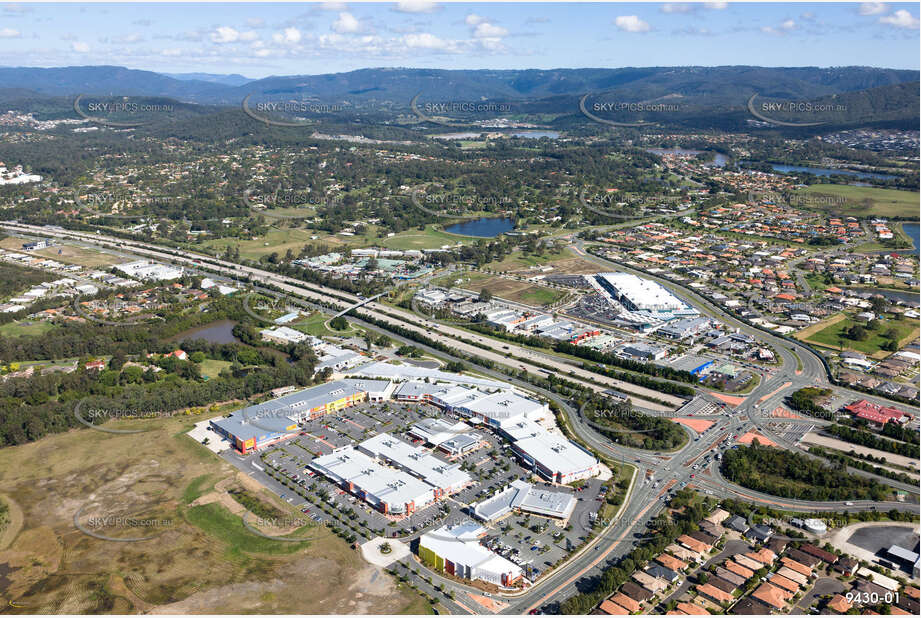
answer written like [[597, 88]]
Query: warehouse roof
[[416, 460], [392, 486]]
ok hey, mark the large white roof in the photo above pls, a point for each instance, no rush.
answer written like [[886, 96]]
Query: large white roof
[[392, 486], [417, 460]]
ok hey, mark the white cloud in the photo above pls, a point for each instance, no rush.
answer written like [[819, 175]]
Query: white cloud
[[631, 23], [473, 19], [226, 34], [487, 30], [346, 23], [425, 40], [172, 51], [415, 6], [255, 22], [671, 7], [785, 27], [79, 47], [900, 19], [716, 6], [9, 33], [872, 8], [288, 36], [332, 6]]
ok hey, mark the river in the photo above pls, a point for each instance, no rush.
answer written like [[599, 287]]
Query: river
[[719, 159], [825, 171]]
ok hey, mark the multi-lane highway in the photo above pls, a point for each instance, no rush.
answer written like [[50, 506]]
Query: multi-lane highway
[[669, 471]]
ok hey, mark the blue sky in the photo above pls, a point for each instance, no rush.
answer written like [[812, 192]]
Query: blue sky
[[257, 40]]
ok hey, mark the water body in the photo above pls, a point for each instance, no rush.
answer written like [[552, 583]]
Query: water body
[[536, 134], [719, 159], [482, 228], [215, 332], [912, 231], [824, 171], [910, 298]]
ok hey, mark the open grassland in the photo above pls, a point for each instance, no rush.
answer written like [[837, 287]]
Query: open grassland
[[25, 328], [280, 239], [67, 254], [863, 201], [524, 292], [201, 559], [430, 238], [831, 335]]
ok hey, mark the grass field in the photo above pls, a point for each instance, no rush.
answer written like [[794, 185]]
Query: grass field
[[863, 201], [212, 368], [828, 335], [510, 289], [279, 240], [203, 560], [67, 254], [430, 238], [315, 324], [25, 328]]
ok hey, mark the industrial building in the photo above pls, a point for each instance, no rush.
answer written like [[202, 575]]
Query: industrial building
[[260, 425], [393, 492], [524, 497], [283, 335], [456, 550]]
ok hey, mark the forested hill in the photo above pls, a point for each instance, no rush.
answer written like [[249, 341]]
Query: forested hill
[[718, 85]]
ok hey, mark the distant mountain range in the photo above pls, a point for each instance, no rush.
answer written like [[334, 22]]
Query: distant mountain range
[[234, 79], [888, 94]]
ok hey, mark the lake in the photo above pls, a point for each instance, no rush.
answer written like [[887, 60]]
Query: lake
[[487, 227], [824, 171], [536, 134], [215, 332], [474, 135], [719, 159], [910, 298], [912, 230]]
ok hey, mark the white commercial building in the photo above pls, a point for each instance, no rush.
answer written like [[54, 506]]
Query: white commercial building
[[454, 439], [390, 491], [283, 335], [638, 294], [457, 551], [142, 269], [446, 478], [524, 497]]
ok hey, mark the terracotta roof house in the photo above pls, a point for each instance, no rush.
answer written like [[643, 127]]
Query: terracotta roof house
[[613, 609], [715, 594], [738, 569], [839, 604], [626, 602], [693, 610], [763, 555], [671, 562], [799, 567], [693, 544], [782, 582], [771, 595]]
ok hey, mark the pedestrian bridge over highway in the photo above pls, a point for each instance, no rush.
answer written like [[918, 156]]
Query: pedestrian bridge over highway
[[360, 303]]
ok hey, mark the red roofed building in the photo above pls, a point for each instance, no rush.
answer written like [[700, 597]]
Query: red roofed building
[[875, 413]]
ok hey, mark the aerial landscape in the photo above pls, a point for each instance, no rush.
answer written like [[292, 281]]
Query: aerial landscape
[[470, 308]]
